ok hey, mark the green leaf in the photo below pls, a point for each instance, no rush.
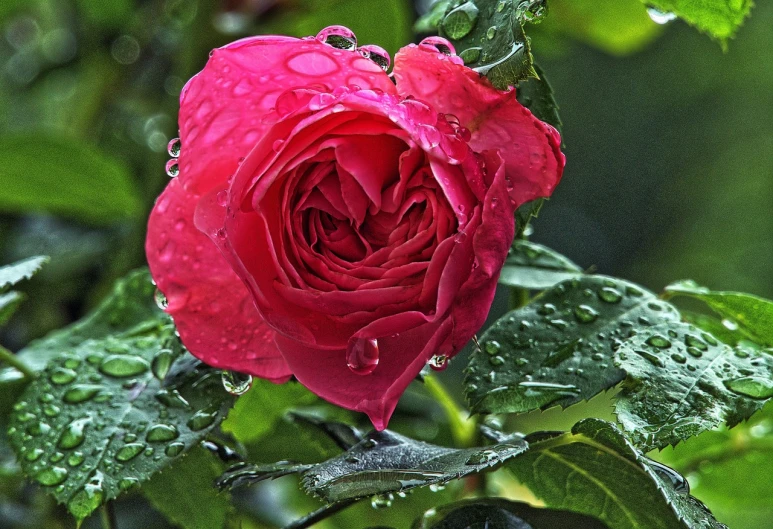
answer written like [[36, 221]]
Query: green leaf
[[596, 471], [682, 382], [489, 36], [502, 514], [13, 273], [111, 409], [754, 315], [558, 350], [256, 412], [524, 215], [428, 23], [536, 94], [719, 18], [9, 302], [388, 462], [533, 266], [72, 179], [726, 331], [186, 495]]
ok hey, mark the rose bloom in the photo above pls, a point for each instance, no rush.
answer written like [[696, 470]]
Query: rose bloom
[[337, 224]]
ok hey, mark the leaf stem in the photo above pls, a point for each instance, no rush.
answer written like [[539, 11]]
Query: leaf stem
[[463, 429], [12, 360], [107, 516], [320, 514], [518, 298]]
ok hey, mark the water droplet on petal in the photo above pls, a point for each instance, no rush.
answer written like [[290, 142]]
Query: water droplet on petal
[[236, 383], [339, 37], [440, 44], [172, 168], [173, 148], [438, 362], [362, 355], [376, 54], [277, 145]]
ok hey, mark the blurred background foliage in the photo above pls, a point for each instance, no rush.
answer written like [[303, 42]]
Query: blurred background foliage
[[669, 142]]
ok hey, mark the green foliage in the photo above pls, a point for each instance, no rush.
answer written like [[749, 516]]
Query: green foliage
[[719, 18], [502, 514], [110, 410], [559, 349], [753, 315], [256, 413], [536, 94], [489, 36], [596, 471], [536, 267], [185, 495], [9, 276], [72, 179]]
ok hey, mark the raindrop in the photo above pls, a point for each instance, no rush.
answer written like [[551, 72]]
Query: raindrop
[[440, 44], [172, 168], [376, 54], [174, 449], [660, 17], [694, 351], [81, 393], [52, 476], [492, 347], [277, 145], [470, 55], [754, 387], [236, 383], [129, 451], [651, 358], [491, 32], [56, 457], [659, 341], [201, 419], [161, 433], [73, 434], [610, 295], [72, 363], [362, 355], [339, 37], [123, 366], [171, 398], [161, 363], [39, 428], [128, 483], [438, 362], [61, 376], [460, 21], [34, 454], [483, 457], [547, 309], [585, 314], [694, 341], [679, 358], [496, 360], [173, 148], [382, 501], [677, 481], [161, 300], [86, 500], [75, 459]]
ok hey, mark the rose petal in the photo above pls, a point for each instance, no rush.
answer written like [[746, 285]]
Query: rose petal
[[530, 148], [212, 309]]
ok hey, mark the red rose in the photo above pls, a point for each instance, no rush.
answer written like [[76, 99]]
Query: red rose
[[329, 224]]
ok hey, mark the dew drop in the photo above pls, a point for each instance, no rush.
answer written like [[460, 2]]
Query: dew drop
[[440, 44], [469, 56], [754, 387], [483, 457], [277, 145], [585, 314], [651, 358], [75, 459], [362, 355], [61, 376], [438, 362], [659, 341], [382, 501], [52, 476], [87, 499], [161, 300], [236, 383], [376, 54], [73, 434], [161, 363], [129, 451], [201, 419], [81, 393], [694, 341], [339, 37], [610, 295], [172, 168], [173, 147], [660, 17], [121, 366], [492, 347], [34, 454], [161, 433], [460, 21], [174, 449], [547, 309], [491, 32]]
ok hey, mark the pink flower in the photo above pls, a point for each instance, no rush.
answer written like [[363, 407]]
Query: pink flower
[[331, 225]]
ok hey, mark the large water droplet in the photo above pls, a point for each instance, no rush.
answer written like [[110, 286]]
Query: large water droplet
[[172, 168], [754, 387], [86, 500], [659, 341], [492, 347], [585, 314], [52, 476], [460, 21], [75, 459], [660, 17], [123, 366], [651, 358], [73, 434], [694, 341], [376, 54], [61, 376], [161, 363], [470, 55], [34, 454], [161, 433], [236, 383], [129, 451], [161, 300], [174, 449], [677, 481], [339, 37], [201, 419], [438, 362], [173, 147], [440, 44], [610, 295], [362, 355]]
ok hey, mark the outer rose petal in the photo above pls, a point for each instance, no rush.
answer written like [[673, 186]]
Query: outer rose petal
[[213, 310], [530, 148], [224, 111]]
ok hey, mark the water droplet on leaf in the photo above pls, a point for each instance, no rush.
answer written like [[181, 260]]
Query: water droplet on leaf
[[460, 21], [123, 366], [236, 383]]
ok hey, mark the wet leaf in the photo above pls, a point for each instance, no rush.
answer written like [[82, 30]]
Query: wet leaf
[[595, 471], [559, 349], [719, 18], [536, 94], [16, 272], [533, 266], [682, 381]]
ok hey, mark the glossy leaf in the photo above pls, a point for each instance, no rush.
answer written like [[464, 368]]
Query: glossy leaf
[[753, 315], [719, 18], [72, 179], [502, 514], [15, 272], [558, 350], [489, 36], [533, 266], [595, 471], [185, 493], [536, 94], [682, 381], [109, 411]]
